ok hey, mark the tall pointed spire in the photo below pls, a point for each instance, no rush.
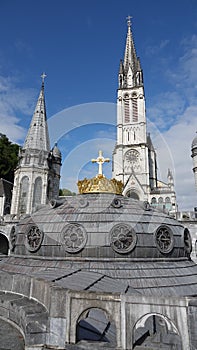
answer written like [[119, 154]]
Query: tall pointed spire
[[130, 72], [130, 57], [38, 136]]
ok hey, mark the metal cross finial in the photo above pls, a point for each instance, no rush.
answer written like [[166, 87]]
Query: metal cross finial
[[43, 76], [100, 160], [129, 20]]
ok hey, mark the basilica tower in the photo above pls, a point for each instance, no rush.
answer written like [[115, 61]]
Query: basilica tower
[[134, 156], [37, 175], [130, 157]]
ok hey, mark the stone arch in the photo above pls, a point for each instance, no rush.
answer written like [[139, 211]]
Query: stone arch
[[156, 330], [133, 194], [95, 325], [31, 325], [153, 200], [4, 244], [11, 336], [167, 200]]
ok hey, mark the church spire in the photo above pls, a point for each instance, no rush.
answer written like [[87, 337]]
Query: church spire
[[130, 58], [38, 136], [130, 72]]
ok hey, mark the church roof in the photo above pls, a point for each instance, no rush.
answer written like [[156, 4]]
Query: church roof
[[103, 225], [38, 136]]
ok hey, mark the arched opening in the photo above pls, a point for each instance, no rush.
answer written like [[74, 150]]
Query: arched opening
[[95, 326], [132, 194], [153, 201], [155, 331], [160, 200], [11, 338], [4, 244]]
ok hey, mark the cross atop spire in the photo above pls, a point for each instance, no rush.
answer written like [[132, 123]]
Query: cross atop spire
[[43, 76], [100, 161], [129, 20]]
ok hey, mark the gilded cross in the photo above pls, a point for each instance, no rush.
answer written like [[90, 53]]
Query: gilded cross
[[100, 161]]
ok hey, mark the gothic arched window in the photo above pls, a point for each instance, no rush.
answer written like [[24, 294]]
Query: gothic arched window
[[126, 109], [23, 198], [37, 192], [160, 200], [135, 109], [153, 200]]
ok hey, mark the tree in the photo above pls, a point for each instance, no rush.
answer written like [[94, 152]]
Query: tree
[[8, 158], [66, 192]]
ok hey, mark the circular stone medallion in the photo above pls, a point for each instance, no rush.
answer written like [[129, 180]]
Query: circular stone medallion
[[164, 239], [123, 238], [74, 238], [34, 238]]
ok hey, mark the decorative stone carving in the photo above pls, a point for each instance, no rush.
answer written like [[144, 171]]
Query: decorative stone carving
[[74, 238], [83, 202], [164, 239], [146, 205], [116, 203], [123, 238], [34, 238]]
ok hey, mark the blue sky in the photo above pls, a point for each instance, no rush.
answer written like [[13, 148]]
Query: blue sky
[[79, 44]]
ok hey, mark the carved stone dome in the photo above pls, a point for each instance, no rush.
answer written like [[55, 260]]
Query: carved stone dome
[[102, 226]]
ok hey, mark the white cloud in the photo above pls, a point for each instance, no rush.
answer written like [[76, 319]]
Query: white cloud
[[152, 50], [175, 114], [13, 101], [174, 151], [165, 109]]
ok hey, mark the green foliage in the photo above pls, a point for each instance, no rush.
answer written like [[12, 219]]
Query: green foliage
[[8, 158], [66, 192]]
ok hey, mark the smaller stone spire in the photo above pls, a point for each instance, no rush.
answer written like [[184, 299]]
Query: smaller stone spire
[[38, 136]]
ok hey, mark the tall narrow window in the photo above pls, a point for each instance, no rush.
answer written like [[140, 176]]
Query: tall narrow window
[[126, 109], [135, 109], [24, 188], [37, 192]]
